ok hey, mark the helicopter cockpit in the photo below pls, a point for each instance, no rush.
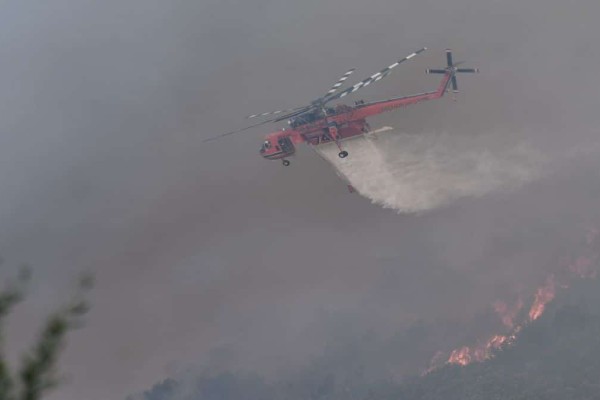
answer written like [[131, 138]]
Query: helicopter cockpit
[[266, 145], [274, 148]]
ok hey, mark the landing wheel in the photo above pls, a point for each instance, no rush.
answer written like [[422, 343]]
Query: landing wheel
[[343, 154], [286, 162]]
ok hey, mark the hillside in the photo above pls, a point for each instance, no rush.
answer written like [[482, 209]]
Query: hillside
[[555, 357]]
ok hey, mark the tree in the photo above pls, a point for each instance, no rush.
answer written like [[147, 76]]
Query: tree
[[36, 374]]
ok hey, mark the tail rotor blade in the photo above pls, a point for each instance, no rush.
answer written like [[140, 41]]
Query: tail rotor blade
[[436, 71], [468, 70], [451, 70], [449, 57]]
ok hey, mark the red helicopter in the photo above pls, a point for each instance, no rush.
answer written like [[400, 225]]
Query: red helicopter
[[318, 123]]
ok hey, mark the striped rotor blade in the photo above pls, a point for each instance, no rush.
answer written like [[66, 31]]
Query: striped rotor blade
[[340, 82], [273, 112], [373, 78]]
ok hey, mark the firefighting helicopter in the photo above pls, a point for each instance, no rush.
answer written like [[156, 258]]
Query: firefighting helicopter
[[317, 123]]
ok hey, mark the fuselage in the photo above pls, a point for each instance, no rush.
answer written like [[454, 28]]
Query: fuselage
[[345, 121], [281, 144]]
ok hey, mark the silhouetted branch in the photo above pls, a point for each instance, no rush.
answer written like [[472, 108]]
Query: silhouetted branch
[[37, 374]]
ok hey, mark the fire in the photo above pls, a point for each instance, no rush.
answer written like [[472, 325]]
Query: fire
[[497, 341], [466, 355], [461, 356], [583, 266], [543, 296]]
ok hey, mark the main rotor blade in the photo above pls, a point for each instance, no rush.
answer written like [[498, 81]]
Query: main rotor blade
[[234, 132], [373, 78], [454, 85], [273, 112], [467, 70], [340, 82], [293, 111], [293, 114], [239, 130], [277, 119]]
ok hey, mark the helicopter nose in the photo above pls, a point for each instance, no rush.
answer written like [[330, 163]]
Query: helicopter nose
[[265, 152]]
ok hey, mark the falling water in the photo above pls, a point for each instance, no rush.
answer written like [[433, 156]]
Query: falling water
[[418, 172]]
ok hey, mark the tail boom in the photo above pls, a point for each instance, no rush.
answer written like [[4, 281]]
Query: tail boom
[[449, 80], [378, 107]]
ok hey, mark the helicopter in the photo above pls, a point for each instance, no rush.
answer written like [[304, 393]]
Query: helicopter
[[318, 122]]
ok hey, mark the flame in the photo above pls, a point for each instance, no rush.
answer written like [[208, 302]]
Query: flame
[[583, 266], [466, 355], [543, 296], [460, 356], [497, 341]]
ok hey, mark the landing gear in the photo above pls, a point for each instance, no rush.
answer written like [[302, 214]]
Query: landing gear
[[286, 162], [333, 134]]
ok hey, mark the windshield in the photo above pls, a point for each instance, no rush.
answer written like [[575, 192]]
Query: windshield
[[265, 146]]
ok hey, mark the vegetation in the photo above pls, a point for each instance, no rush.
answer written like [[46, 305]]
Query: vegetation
[[555, 357], [37, 375]]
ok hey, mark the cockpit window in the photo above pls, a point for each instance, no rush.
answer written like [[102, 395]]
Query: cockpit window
[[267, 145]]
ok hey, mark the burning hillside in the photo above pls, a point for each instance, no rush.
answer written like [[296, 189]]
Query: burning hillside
[[514, 317]]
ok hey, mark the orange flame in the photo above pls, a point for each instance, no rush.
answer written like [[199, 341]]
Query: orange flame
[[497, 341], [460, 356], [466, 355], [543, 296], [582, 266]]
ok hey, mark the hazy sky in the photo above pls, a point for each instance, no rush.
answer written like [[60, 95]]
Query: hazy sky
[[200, 246]]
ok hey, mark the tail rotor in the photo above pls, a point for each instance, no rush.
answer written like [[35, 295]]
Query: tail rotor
[[451, 68]]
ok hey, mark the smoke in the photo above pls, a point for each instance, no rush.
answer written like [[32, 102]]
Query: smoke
[[200, 247], [419, 172]]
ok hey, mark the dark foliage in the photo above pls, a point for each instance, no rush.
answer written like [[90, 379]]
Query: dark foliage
[[37, 373]]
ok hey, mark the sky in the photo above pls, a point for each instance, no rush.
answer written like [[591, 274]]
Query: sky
[[200, 247]]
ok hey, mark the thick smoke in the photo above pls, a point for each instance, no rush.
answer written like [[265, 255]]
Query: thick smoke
[[207, 254], [413, 173]]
